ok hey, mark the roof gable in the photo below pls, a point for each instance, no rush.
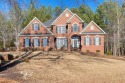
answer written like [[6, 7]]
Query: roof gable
[[31, 22], [76, 16], [61, 15], [92, 28]]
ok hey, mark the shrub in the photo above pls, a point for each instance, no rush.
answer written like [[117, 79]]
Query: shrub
[[97, 51], [109, 52]]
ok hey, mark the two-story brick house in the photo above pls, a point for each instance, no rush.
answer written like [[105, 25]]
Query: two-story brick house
[[67, 30]]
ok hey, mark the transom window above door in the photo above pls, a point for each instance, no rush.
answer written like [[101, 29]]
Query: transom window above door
[[35, 26], [75, 28], [61, 29]]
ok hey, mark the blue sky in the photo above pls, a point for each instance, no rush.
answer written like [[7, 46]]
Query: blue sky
[[65, 3]]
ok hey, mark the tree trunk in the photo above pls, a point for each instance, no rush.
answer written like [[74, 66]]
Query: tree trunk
[[4, 43]]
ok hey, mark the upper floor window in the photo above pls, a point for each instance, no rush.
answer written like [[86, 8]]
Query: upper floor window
[[61, 29], [87, 41], [97, 41], [45, 42], [35, 26], [75, 28]]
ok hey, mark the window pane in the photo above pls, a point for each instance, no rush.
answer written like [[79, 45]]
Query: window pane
[[36, 42], [87, 41], [75, 28], [45, 41], [36, 27], [61, 29], [27, 42], [96, 40], [62, 42]]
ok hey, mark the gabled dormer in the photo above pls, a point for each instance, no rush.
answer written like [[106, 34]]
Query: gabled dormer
[[63, 17], [35, 28], [92, 28]]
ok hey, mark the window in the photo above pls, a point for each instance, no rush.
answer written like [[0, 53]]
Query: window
[[87, 41], [61, 29], [97, 41], [36, 42], [75, 28], [45, 42], [61, 42], [36, 27], [27, 42]]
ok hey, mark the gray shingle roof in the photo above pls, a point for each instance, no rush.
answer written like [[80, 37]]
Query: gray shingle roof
[[49, 22]]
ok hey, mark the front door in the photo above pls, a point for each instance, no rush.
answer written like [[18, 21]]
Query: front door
[[75, 42]]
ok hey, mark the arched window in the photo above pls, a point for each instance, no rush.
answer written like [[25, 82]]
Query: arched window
[[75, 28], [27, 42], [97, 40]]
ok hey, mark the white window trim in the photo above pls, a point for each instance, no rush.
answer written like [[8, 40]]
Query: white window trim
[[33, 41], [78, 42], [99, 40], [61, 43], [25, 39], [89, 41], [73, 26], [38, 26], [61, 28], [75, 23], [47, 42]]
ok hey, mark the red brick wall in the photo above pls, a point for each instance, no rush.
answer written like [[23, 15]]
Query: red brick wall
[[30, 30], [88, 29], [62, 20], [51, 42], [92, 47]]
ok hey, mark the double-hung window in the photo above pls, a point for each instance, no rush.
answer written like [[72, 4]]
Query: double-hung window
[[36, 42], [27, 42], [61, 29], [87, 41], [61, 42], [35, 26], [45, 42], [97, 41], [75, 28]]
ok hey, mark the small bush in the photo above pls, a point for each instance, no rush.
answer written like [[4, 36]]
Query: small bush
[[97, 51], [63, 48], [109, 52]]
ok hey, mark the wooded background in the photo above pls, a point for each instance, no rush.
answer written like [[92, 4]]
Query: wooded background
[[110, 16]]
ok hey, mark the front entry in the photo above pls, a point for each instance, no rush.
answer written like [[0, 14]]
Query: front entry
[[75, 41]]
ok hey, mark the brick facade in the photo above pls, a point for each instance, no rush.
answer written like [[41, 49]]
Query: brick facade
[[68, 20]]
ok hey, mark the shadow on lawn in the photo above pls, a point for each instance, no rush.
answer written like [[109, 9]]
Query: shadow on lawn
[[18, 60]]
